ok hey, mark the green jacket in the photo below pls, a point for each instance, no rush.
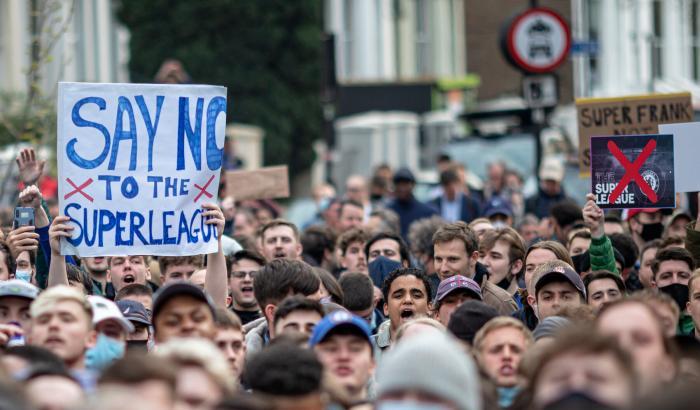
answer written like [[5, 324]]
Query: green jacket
[[602, 255]]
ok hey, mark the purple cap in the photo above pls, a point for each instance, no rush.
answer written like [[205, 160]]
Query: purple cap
[[561, 273], [453, 283]]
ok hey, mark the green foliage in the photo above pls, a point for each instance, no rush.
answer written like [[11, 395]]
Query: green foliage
[[266, 52]]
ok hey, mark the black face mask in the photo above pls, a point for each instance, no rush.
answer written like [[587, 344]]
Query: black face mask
[[582, 262], [678, 292], [576, 400], [141, 345], [652, 231]]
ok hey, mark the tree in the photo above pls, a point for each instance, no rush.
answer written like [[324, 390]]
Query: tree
[[266, 52]]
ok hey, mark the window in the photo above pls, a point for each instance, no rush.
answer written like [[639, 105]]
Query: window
[[423, 57], [695, 38], [657, 39]]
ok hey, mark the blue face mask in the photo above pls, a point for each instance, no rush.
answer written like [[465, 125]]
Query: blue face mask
[[25, 275], [106, 351], [506, 396], [408, 405]]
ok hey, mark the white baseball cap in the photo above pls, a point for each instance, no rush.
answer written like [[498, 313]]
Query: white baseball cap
[[104, 309]]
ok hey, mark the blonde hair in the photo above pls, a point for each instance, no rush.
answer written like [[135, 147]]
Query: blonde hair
[[48, 299], [500, 322], [200, 353], [419, 321], [693, 278]]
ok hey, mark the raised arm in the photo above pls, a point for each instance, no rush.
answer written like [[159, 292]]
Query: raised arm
[[215, 281], [57, 269], [601, 250]]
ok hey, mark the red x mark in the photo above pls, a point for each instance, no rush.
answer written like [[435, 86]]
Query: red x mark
[[203, 190], [79, 189], [632, 171]]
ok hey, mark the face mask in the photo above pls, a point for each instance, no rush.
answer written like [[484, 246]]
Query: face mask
[[25, 275], [678, 292], [140, 345], [580, 261], [106, 351], [652, 231], [576, 401], [409, 405], [506, 396]]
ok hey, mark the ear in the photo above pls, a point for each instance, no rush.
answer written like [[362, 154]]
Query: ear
[[148, 272], [386, 309], [300, 250], [687, 306], [229, 300], [531, 301], [474, 256], [109, 276], [269, 312], [516, 267], [91, 339]]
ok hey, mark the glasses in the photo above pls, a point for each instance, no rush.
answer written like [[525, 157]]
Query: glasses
[[240, 274]]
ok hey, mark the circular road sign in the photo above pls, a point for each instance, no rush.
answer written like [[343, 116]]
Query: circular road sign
[[537, 40]]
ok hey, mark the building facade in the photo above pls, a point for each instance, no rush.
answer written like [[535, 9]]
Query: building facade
[[90, 45]]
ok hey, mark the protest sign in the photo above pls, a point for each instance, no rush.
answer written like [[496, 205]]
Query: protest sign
[[633, 171], [686, 151], [263, 183], [631, 115], [135, 164]]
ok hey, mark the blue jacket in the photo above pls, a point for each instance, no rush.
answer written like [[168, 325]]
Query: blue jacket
[[410, 211], [471, 208]]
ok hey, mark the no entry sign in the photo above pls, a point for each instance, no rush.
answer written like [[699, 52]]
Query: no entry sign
[[633, 171], [537, 40]]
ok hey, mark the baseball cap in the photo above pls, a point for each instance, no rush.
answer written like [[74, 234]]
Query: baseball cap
[[559, 273], [104, 309], [497, 205], [404, 174], [169, 291], [134, 311], [453, 283], [636, 211], [679, 214], [552, 169], [18, 288], [334, 321]]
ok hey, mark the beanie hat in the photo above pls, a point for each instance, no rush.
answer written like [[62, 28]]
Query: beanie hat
[[549, 326], [431, 363], [469, 317]]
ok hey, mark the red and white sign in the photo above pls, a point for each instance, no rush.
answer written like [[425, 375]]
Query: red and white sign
[[538, 40]]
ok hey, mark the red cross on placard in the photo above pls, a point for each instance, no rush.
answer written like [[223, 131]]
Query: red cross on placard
[[203, 190], [632, 171], [79, 189]]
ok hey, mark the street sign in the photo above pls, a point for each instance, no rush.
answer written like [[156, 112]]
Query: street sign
[[537, 40], [587, 47], [540, 91]]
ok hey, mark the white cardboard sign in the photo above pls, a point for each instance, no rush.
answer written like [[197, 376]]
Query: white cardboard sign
[[135, 164]]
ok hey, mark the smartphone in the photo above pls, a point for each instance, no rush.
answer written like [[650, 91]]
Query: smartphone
[[24, 216]]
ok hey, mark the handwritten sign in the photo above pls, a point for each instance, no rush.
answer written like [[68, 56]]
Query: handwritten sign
[[633, 171], [135, 164], [263, 183], [632, 115]]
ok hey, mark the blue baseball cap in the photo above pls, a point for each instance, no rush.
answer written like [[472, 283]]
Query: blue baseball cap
[[336, 319]]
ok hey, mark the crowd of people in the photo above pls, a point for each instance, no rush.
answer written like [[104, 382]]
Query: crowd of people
[[475, 300]]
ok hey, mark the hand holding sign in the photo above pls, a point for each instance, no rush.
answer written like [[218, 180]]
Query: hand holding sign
[[593, 217], [214, 216]]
